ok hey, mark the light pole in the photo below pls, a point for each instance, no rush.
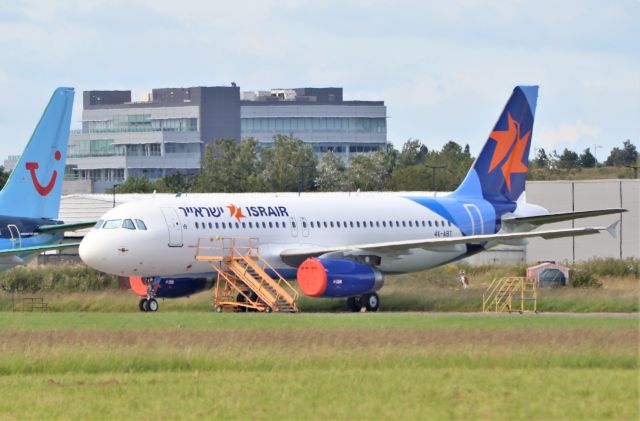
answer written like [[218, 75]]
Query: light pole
[[433, 178], [595, 153], [115, 186]]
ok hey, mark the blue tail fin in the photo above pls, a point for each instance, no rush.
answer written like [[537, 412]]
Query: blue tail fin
[[34, 187], [500, 171]]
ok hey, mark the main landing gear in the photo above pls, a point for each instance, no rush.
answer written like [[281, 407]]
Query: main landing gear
[[369, 301], [149, 304]]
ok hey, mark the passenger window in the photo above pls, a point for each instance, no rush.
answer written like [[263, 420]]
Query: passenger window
[[277, 224], [404, 224], [237, 225], [331, 223], [423, 223], [244, 225], [293, 224], [284, 225], [270, 224], [128, 224], [338, 224], [449, 222], [197, 225], [351, 224], [398, 224], [217, 225], [436, 223], [377, 224], [304, 224], [325, 224], [112, 224], [411, 224], [98, 224], [264, 224], [311, 223], [429, 223], [384, 224], [224, 225], [250, 225], [358, 224], [210, 225]]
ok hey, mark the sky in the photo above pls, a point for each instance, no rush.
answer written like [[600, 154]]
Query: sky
[[443, 68]]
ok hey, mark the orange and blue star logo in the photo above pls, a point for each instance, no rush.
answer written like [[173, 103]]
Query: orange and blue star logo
[[236, 212], [511, 145]]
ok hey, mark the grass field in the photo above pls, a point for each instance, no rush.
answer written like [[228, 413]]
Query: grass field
[[433, 290], [172, 365]]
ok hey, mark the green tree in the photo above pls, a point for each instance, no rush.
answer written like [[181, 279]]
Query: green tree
[[4, 175], [568, 159], [228, 167], [331, 174], [413, 152], [411, 178], [587, 160], [541, 160], [368, 172], [285, 162], [173, 183], [628, 155], [140, 184]]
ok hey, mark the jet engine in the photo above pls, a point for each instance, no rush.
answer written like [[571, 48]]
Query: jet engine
[[337, 278]]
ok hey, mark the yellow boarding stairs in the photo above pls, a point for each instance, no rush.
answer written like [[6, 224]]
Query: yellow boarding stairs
[[511, 294], [243, 282]]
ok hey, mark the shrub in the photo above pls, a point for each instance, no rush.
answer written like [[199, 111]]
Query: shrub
[[612, 267], [56, 278], [584, 279]]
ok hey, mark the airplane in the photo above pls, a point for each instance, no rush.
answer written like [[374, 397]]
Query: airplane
[[30, 199], [337, 244]]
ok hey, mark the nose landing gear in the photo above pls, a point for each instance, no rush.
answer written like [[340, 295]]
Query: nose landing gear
[[149, 304]]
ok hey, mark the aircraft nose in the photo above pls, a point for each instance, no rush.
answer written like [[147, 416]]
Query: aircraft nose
[[91, 252]]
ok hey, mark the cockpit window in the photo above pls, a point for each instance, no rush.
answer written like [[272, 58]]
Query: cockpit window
[[112, 224], [98, 224], [140, 225], [128, 224]]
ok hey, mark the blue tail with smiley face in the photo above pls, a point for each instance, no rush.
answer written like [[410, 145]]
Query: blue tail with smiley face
[[33, 190]]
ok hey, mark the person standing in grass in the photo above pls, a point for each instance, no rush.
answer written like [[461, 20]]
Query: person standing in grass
[[464, 280]]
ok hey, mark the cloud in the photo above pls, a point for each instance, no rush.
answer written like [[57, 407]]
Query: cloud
[[567, 134]]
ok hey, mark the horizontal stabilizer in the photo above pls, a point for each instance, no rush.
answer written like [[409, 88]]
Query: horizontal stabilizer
[[38, 249], [74, 226], [560, 216]]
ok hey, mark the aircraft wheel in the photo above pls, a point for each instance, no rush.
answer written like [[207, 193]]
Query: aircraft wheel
[[152, 305], [371, 301], [142, 304], [354, 304]]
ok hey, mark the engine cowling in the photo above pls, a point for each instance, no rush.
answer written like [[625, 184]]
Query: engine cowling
[[337, 278], [169, 287]]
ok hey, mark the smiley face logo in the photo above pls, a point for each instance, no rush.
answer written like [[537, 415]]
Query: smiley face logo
[[43, 190]]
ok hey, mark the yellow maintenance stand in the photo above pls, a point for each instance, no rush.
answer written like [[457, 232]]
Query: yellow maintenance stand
[[246, 282], [512, 293]]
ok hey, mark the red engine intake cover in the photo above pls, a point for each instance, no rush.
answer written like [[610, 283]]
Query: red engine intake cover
[[312, 278]]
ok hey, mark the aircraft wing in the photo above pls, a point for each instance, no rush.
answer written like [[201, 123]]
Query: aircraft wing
[[74, 226], [296, 256], [560, 216], [38, 249]]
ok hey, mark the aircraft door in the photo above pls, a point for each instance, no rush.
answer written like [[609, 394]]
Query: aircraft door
[[477, 224], [294, 226], [174, 226], [305, 226], [16, 238]]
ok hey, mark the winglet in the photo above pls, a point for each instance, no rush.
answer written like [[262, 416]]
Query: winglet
[[611, 229]]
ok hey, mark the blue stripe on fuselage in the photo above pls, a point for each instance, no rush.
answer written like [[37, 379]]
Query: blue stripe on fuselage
[[461, 212]]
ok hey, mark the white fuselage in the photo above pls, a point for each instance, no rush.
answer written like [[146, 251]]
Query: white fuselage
[[279, 221]]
